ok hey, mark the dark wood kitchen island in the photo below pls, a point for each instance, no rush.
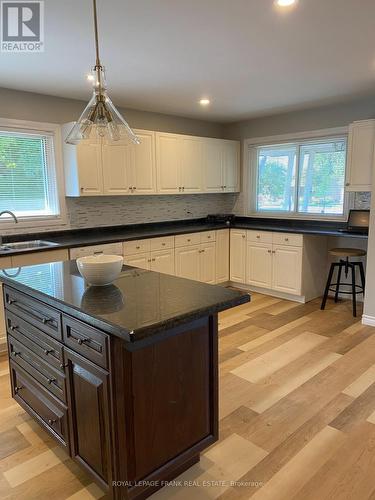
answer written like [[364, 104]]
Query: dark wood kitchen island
[[123, 376]]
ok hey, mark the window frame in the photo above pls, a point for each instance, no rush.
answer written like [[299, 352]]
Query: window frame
[[250, 173], [56, 165]]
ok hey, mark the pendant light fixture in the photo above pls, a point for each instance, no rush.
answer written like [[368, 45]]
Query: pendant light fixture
[[100, 118]]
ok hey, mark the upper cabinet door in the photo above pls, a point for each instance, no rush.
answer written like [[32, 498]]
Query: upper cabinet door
[[90, 171], [191, 167], [231, 166], [213, 181], [143, 171], [168, 161], [360, 155], [118, 158]]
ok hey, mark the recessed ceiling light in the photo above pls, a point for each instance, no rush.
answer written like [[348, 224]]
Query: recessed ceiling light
[[285, 3], [204, 102]]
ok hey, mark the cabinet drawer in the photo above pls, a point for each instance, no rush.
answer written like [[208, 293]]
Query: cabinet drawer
[[259, 236], [185, 240], [162, 243], [36, 401], [53, 380], [37, 341], [137, 246], [86, 340], [108, 249], [294, 240], [208, 236], [31, 310]]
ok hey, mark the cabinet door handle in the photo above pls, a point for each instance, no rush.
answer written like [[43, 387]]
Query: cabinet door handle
[[14, 328], [51, 380], [153, 260], [286, 239], [243, 236], [163, 244], [51, 421], [138, 248], [46, 320], [258, 236], [15, 353], [189, 240], [273, 251], [347, 184], [208, 237], [269, 251], [17, 389], [11, 301], [48, 351]]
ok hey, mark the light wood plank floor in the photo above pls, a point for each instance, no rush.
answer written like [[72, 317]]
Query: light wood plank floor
[[297, 410]]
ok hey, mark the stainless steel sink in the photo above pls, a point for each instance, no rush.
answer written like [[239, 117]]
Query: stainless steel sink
[[26, 245]]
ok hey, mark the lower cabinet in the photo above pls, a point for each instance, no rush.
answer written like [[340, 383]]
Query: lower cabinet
[[222, 255], [161, 261], [287, 269], [259, 264], [88, 410], [238, 255], [196, 262]]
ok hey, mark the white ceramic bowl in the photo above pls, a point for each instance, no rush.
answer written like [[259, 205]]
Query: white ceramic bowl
[[100, 269]]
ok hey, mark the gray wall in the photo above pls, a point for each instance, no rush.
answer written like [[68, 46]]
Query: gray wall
[[334, 115], [37, 107]]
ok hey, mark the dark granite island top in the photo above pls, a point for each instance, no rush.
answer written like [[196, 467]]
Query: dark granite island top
[[124, 377], [138, 304]]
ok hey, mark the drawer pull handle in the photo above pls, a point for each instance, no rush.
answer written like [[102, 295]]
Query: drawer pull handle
[[63, 365], [15, 353], [269, 251], [14, 328], [48, 351], [51, 380], [208, 237], [163, 244], [189, 240], [51, 421], [17, 389], [11, 301], [82, 341], [243, 236], [46, 320], [258, 236], [137, 247], [286, 239]]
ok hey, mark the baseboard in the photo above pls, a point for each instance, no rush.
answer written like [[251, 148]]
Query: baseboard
[[266, 291], [368, 320]]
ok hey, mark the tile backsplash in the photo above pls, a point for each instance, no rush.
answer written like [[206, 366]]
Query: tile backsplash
[[362, 200], [111, 210]]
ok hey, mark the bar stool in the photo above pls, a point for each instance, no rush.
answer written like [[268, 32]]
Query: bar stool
[[346, 265]]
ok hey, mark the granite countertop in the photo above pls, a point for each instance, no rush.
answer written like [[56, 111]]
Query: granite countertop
[[101, 235], [138, 305]]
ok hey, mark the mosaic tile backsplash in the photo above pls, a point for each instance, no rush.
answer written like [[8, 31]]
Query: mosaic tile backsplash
[[362, 200], [111, 210]]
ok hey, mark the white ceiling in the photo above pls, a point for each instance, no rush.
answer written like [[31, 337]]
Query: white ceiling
[[247, 56]]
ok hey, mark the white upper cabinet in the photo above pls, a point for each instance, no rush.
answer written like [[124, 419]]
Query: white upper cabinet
[[90, 173], [191, 166], [213, 178], [222, 166], [231, 166], [162, 163], [143, 168], [168, 160], [117, 160], [360, 155]]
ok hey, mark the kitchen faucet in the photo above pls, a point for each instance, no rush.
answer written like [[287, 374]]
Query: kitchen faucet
[[12, 215]]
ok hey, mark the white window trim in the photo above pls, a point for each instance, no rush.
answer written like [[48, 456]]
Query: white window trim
[[45, 221], [249, 174]]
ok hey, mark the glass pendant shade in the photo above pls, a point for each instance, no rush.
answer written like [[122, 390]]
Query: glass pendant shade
[[100, 118]]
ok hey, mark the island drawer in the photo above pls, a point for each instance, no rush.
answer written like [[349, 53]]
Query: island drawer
[[136, 246], [184, 240], [37, 341], [33, 311], [36, 401], [53, 380], [86, 340], [162, 243]]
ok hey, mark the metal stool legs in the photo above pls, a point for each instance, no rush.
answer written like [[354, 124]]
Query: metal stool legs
[[335, 287]]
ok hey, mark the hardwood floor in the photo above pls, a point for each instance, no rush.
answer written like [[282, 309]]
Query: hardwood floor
[[297, 410]]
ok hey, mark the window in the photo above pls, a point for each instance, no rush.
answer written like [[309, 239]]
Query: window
[[28, 183], [307, 177]]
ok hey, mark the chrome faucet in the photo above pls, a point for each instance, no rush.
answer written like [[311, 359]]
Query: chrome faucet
[[12, 215]]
